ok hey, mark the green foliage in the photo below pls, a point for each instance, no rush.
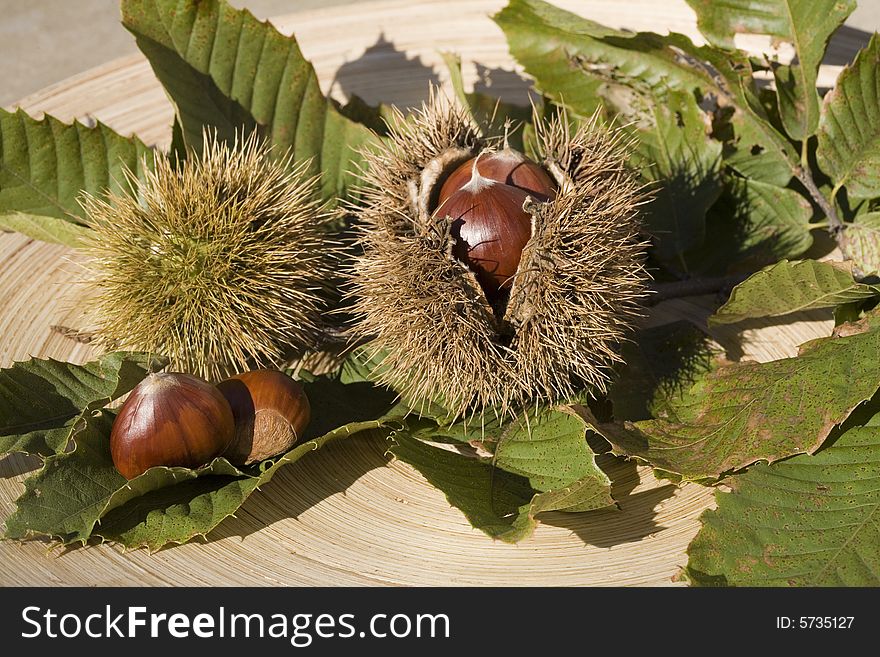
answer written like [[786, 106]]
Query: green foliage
[[46, 229], [849, 130], [741, 413], [861, 242], [676, 154], [753, 223], [45, 165], [808, 521], [41, 401], [659, 365], [716, 158], [805, 24], [225, 69], [789, 287], [541, 463]]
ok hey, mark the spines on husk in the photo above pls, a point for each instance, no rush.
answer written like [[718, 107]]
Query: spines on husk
[[222, 262], [573, 300]]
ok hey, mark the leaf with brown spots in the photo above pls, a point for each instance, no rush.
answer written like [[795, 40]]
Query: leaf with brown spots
[[789, 287], [806, 25], [808, 521], [746, 412], [849, 130], [861, 242]]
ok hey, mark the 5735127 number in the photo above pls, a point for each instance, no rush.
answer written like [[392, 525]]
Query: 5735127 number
[[814, 622]]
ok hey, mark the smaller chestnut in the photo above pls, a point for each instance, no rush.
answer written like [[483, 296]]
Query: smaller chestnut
[[170, 419], [271, 413]]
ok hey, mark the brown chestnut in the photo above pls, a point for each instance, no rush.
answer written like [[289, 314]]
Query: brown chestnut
[[271, 413], [491, 229], [170, 419], [507, 166]]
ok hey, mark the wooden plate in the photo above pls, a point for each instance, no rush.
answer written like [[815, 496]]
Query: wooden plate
[[346, 515]]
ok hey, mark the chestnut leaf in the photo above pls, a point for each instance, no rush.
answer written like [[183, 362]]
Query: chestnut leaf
[[808, 521], [849, 129], [741, 413], [224, 69], [789, 287], [753, 224], [544, 464], [46, 164], [660, 363], [861, 242], [40, 400], [677, 156], [806, 26], [583, 65]]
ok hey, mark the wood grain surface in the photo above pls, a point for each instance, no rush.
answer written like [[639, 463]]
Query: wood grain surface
[[346, 515]]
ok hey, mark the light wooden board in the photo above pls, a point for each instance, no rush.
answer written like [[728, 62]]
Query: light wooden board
[[346, 515]]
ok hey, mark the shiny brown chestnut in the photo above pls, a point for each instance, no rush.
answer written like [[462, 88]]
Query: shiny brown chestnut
[[170, 419], [507, 166], [491, 229], [271, 413]]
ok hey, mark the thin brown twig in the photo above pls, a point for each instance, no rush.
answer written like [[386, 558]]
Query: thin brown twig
[[83, 337], [835, 225], [693, 287]]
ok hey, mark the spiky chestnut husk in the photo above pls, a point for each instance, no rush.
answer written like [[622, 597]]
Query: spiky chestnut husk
[[221, 263], [433, 333]]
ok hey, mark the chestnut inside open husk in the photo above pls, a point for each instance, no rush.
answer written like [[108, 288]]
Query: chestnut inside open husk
[[480, 288], [484, 197]]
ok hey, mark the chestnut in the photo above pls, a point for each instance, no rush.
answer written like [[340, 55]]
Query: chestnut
[[170, 419], [271, 413], [490, 228], [507, 166]]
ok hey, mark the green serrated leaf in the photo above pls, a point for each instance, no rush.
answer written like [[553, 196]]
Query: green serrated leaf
[[45, 165], [39, 398], [497, 503], [808, 521], [66, 497], [581, 64], [224, 68], [805, 24], [550, 449], [849, 129], [789, 287], [745, 412], [44, 228], [678, 155], [753, 224], [861, 242]]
